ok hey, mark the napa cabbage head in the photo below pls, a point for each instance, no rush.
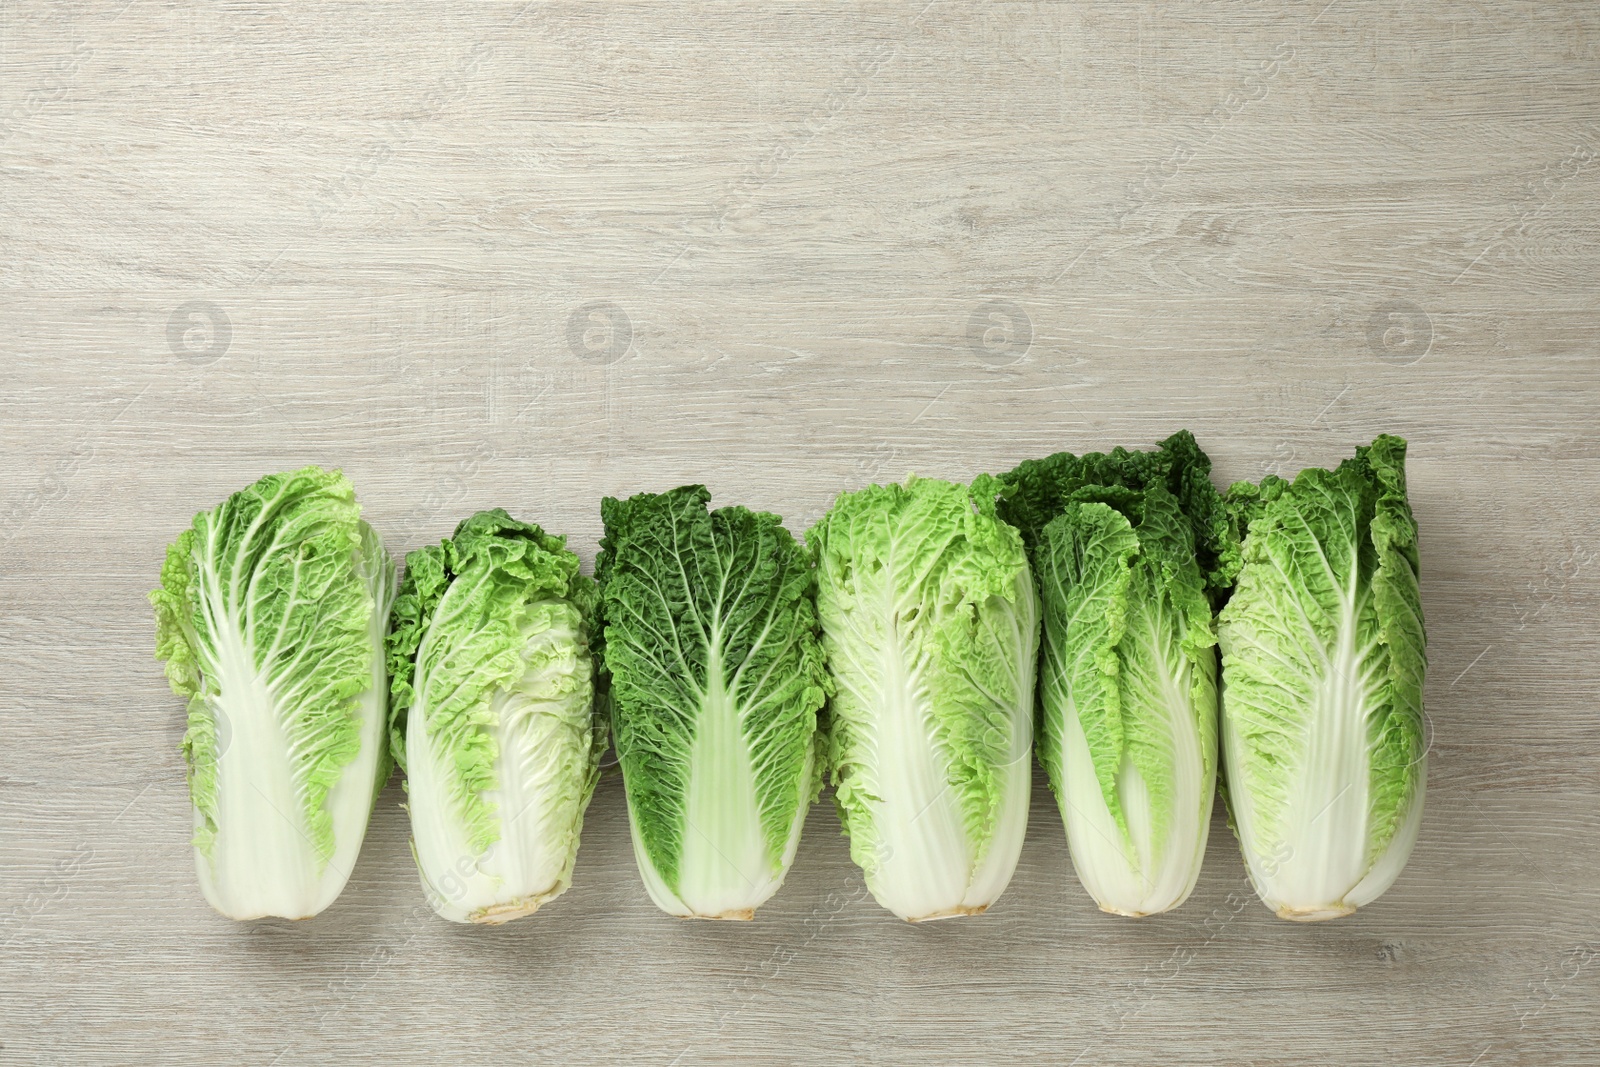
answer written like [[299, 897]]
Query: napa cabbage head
[[271, 617], [716, 678], [931, 627], [493, 715], [1129, 549], [1323, 657]]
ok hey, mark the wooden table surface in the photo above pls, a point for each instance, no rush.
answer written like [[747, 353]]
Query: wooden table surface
[[529, 254]]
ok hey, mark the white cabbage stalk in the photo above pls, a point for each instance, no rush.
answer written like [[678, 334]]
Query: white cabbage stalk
[[541, 732], [727, 868], [1150, 868], [1319, 863]]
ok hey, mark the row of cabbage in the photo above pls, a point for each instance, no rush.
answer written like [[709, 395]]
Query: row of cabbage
[[1112, 614]]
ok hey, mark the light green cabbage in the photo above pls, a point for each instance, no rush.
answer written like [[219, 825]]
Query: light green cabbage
[[931, 626], [493, 715], [1129, 549], [271, 618], [1323, 657]]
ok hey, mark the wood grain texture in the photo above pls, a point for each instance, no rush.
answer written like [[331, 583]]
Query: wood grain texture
[[240, 237]]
